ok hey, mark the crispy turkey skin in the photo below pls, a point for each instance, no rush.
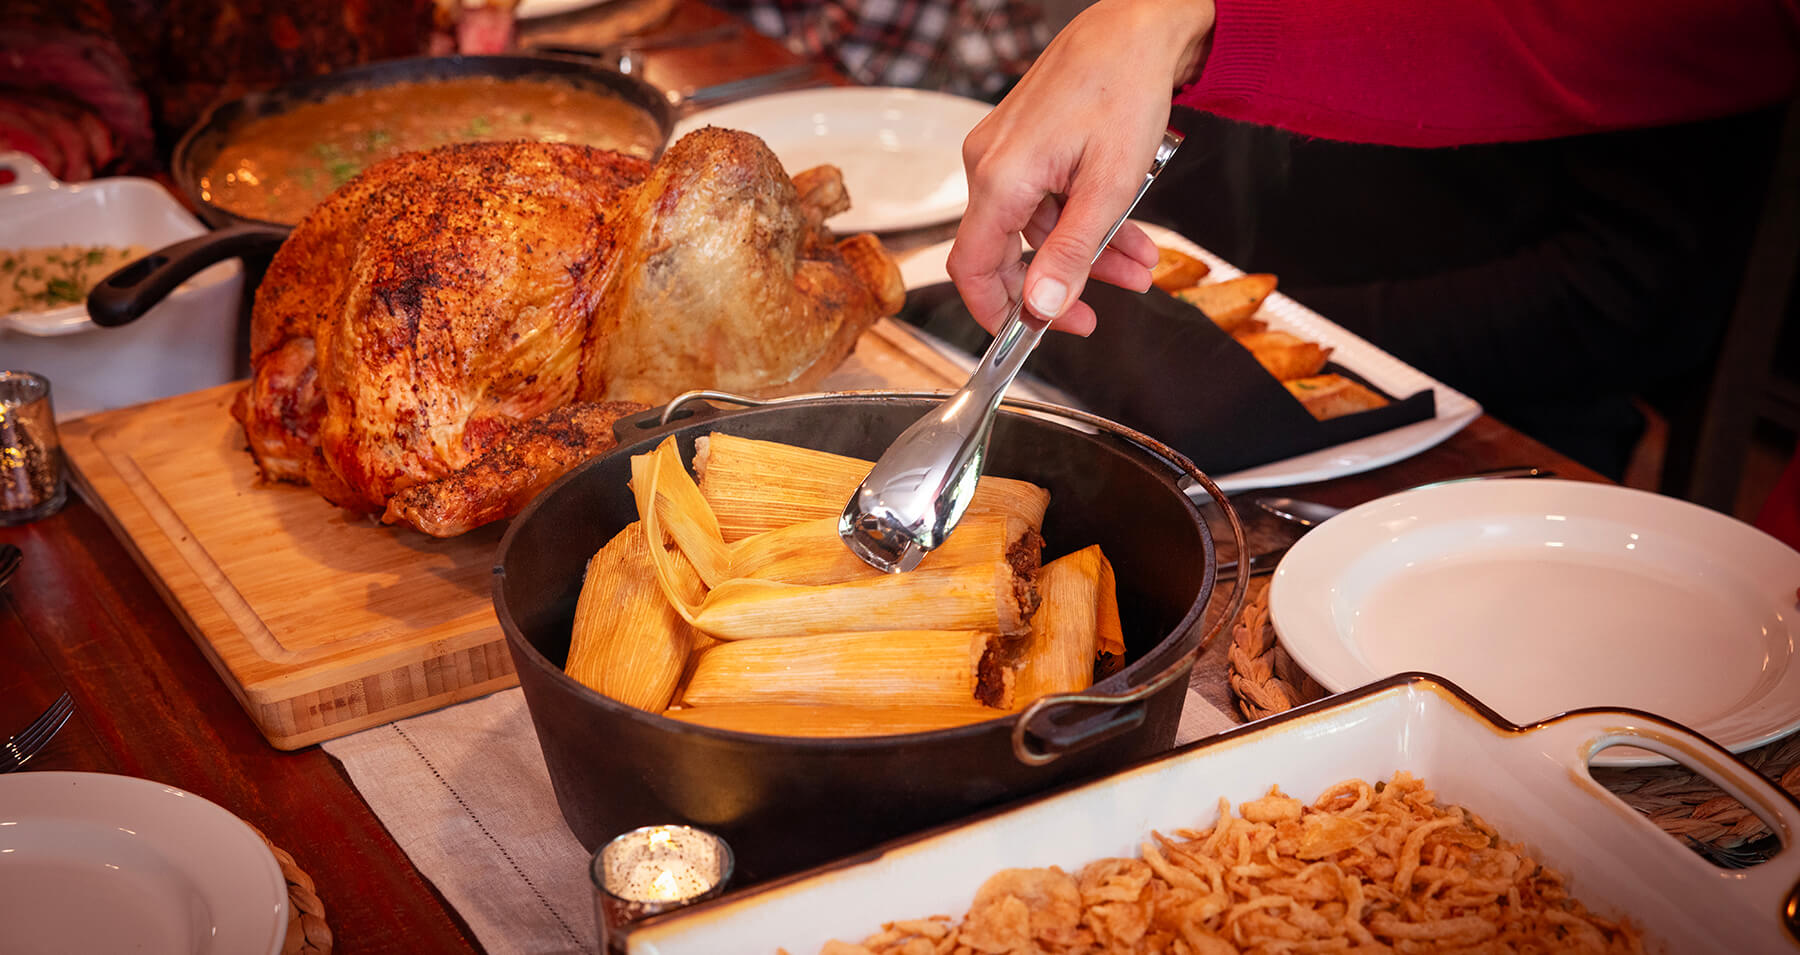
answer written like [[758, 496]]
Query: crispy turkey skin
[[423, 316]]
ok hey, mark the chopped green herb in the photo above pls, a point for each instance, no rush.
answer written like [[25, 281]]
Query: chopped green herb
[[63, 290], [42, 278], [342, 170]]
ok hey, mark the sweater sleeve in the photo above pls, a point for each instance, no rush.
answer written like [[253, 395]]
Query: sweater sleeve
[[1429, 73]]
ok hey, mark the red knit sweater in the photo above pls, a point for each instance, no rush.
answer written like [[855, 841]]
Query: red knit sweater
[[1453, 72]]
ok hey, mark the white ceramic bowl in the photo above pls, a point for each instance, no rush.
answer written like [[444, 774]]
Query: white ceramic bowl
[[187, 342], [94, 862], [1542, 596]]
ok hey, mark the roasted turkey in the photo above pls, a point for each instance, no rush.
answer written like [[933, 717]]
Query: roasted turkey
[[453, 330]]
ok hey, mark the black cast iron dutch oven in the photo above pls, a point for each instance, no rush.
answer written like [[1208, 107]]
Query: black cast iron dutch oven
[[786, 803], [134, 289]]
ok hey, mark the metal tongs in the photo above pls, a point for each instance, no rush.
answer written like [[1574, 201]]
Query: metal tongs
[[918, 491]]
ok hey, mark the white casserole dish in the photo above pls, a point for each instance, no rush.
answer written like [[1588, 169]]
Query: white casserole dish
[[187, 342], [1531, 783]]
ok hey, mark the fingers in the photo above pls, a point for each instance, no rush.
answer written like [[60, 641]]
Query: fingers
[[1126, 261], [1059, 271], [1080, 124], [985, 264], [1135, 245], [1077, 319]]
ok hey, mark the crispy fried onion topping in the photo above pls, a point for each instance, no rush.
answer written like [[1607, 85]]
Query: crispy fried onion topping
[[1364, 869]]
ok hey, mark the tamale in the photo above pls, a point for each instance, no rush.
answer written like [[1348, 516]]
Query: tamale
[[682, 514], [783, 719], [812, 553], [931, 667], [989, 596], [627, 643], [1076, 625], [756, 486]]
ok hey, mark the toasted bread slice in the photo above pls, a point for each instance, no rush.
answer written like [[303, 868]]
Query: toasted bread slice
[[1231, 302], [1285, 356], [1330, 396], [1175, 270]]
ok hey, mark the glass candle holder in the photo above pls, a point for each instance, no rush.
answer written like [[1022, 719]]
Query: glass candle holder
[[32, 484], [653, 870]]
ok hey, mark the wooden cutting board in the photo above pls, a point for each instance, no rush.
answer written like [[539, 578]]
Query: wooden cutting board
[[323, 623]]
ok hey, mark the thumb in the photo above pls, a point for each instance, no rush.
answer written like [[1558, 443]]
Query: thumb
[[1059, 270]]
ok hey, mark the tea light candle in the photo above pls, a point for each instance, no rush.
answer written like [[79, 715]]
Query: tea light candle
[[652, 870]]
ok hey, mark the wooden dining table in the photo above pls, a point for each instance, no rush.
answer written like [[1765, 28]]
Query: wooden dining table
[[81, 616]]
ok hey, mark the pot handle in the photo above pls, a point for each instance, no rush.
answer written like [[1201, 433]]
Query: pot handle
[[1125, 710], [124, 296], [635, 427]]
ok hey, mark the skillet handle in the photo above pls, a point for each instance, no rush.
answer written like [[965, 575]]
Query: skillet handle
[[1775, 883], [124, 296]]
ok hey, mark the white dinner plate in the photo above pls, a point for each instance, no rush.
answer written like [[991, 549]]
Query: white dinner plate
[[900, 150], [1454, 409], [1542, 596], [92, 862]]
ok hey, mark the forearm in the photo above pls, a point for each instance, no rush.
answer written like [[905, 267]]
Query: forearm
[[1429, 73]]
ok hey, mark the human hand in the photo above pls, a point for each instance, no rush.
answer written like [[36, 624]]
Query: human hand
[[1059, 160]]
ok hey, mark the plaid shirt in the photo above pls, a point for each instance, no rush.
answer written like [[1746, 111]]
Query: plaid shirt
[[969, 47]]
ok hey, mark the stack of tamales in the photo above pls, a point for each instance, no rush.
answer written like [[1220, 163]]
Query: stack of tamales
[[731, 602]]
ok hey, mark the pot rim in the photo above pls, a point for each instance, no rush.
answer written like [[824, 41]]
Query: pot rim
[[1058, 416]]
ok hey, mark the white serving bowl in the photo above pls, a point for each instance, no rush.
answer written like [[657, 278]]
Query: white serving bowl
[[187, 342]]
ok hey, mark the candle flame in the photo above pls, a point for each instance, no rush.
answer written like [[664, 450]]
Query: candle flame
[[667, 886]]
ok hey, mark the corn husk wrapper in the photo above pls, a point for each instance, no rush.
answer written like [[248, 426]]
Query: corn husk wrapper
[[813, 553], [756, 486], [627, 642], [785, 719], [993, 596], [1076, 624], [990, 596], [927, 667], [680, 517]]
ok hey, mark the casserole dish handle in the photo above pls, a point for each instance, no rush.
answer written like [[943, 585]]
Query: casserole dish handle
[[1775, 883], [124, 296], [29, 175]]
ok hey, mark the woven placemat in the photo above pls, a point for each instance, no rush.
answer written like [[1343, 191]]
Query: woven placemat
[[1265, 680], [307, 933]]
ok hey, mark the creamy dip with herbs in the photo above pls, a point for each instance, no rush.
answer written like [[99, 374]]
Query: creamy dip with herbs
[[40, 279]]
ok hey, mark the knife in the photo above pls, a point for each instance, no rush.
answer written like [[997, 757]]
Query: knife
[[1260, 564], [1312, 513], [731, 89], [624, 53]]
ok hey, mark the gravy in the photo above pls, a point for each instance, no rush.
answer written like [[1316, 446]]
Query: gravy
[[276, 168]]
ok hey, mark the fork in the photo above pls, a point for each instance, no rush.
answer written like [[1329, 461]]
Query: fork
[[33, 738], [1741, 856]]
